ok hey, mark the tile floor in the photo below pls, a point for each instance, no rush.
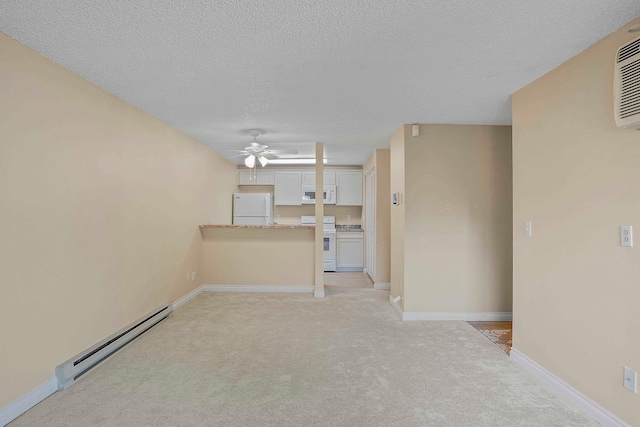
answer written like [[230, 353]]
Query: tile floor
[[347, 280]]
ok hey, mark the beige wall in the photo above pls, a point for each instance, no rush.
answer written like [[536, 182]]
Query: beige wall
[[458, 210], [276, 257], [100, 211], [577, 178], [380, 160], [397, 164], [383, 216]]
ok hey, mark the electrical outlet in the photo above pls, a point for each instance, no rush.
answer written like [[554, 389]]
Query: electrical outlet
[[193, 275], [527, 228], [630, 377], [626, 236]]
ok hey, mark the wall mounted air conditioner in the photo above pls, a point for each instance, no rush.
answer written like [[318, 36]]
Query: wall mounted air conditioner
[[626, 85]]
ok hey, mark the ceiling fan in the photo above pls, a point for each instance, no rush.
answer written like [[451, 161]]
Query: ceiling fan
[[260, 152]]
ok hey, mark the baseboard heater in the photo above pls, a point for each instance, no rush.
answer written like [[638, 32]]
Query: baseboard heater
[[78, 365]]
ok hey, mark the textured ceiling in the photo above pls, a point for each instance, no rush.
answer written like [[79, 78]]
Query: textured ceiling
[[345, 72]]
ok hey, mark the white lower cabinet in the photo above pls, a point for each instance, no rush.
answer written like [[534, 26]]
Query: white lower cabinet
[[350, 251]]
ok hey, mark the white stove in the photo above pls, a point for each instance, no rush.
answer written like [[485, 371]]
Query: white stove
[[329, 231]]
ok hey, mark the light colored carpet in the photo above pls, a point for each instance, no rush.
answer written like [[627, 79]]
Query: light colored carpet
[[233, 359]]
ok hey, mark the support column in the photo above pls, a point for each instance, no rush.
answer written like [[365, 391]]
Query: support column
[[319, 264]]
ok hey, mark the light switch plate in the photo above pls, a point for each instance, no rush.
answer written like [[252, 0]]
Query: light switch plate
[[626, 235], [630, 379], [527, 228]]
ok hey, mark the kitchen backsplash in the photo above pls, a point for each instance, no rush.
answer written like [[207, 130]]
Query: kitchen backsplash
[[351, 227], [292, 214]]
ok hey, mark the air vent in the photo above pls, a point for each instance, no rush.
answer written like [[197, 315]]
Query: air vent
[[627, 85], [630, 89], [629, 50]]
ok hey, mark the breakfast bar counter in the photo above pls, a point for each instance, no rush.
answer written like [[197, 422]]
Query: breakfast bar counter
[[281, 257], [275, 227]]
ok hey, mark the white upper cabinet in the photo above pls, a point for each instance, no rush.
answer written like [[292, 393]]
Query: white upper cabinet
[[261, 177], [309, 178], [349, 188], [288, 188]]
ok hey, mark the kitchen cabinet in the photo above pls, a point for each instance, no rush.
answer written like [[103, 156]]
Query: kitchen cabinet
[[350, 251], [309, 178], [288, 188], [261, 177], [349, 188]]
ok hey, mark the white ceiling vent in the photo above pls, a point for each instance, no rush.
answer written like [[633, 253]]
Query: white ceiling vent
[[626, 84]]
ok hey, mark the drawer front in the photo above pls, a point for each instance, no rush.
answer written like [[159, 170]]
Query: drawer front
[[350, 235]]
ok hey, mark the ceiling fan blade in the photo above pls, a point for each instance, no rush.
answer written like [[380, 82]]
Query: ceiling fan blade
[[239, 152], [269, 156]]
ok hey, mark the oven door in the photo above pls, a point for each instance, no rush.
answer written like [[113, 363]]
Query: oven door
[[330, 251]]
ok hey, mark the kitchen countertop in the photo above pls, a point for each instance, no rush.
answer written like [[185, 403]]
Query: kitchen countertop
[[281, 227], [349, 229]]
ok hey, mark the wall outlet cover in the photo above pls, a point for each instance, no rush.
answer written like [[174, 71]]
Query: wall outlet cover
[[626, 236]]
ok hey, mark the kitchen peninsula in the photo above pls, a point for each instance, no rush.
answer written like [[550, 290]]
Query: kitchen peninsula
[[283, 227], [259, 255]]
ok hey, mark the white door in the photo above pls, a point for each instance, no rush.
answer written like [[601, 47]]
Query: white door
[[370, 223]]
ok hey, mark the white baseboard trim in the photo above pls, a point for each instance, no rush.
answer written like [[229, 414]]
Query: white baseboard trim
[[385, 286], [188, 297], [396, 307], [251, 288], [591, 408], [28, 401], [318, 294], [467, 317]]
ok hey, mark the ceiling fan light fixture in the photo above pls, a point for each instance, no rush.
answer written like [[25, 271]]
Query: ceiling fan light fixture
[[250, 161], [263, 161]]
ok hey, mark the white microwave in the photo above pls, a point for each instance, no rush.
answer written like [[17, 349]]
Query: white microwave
[[309, 194]]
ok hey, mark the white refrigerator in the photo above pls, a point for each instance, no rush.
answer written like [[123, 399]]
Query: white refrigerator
[[252, 209]]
